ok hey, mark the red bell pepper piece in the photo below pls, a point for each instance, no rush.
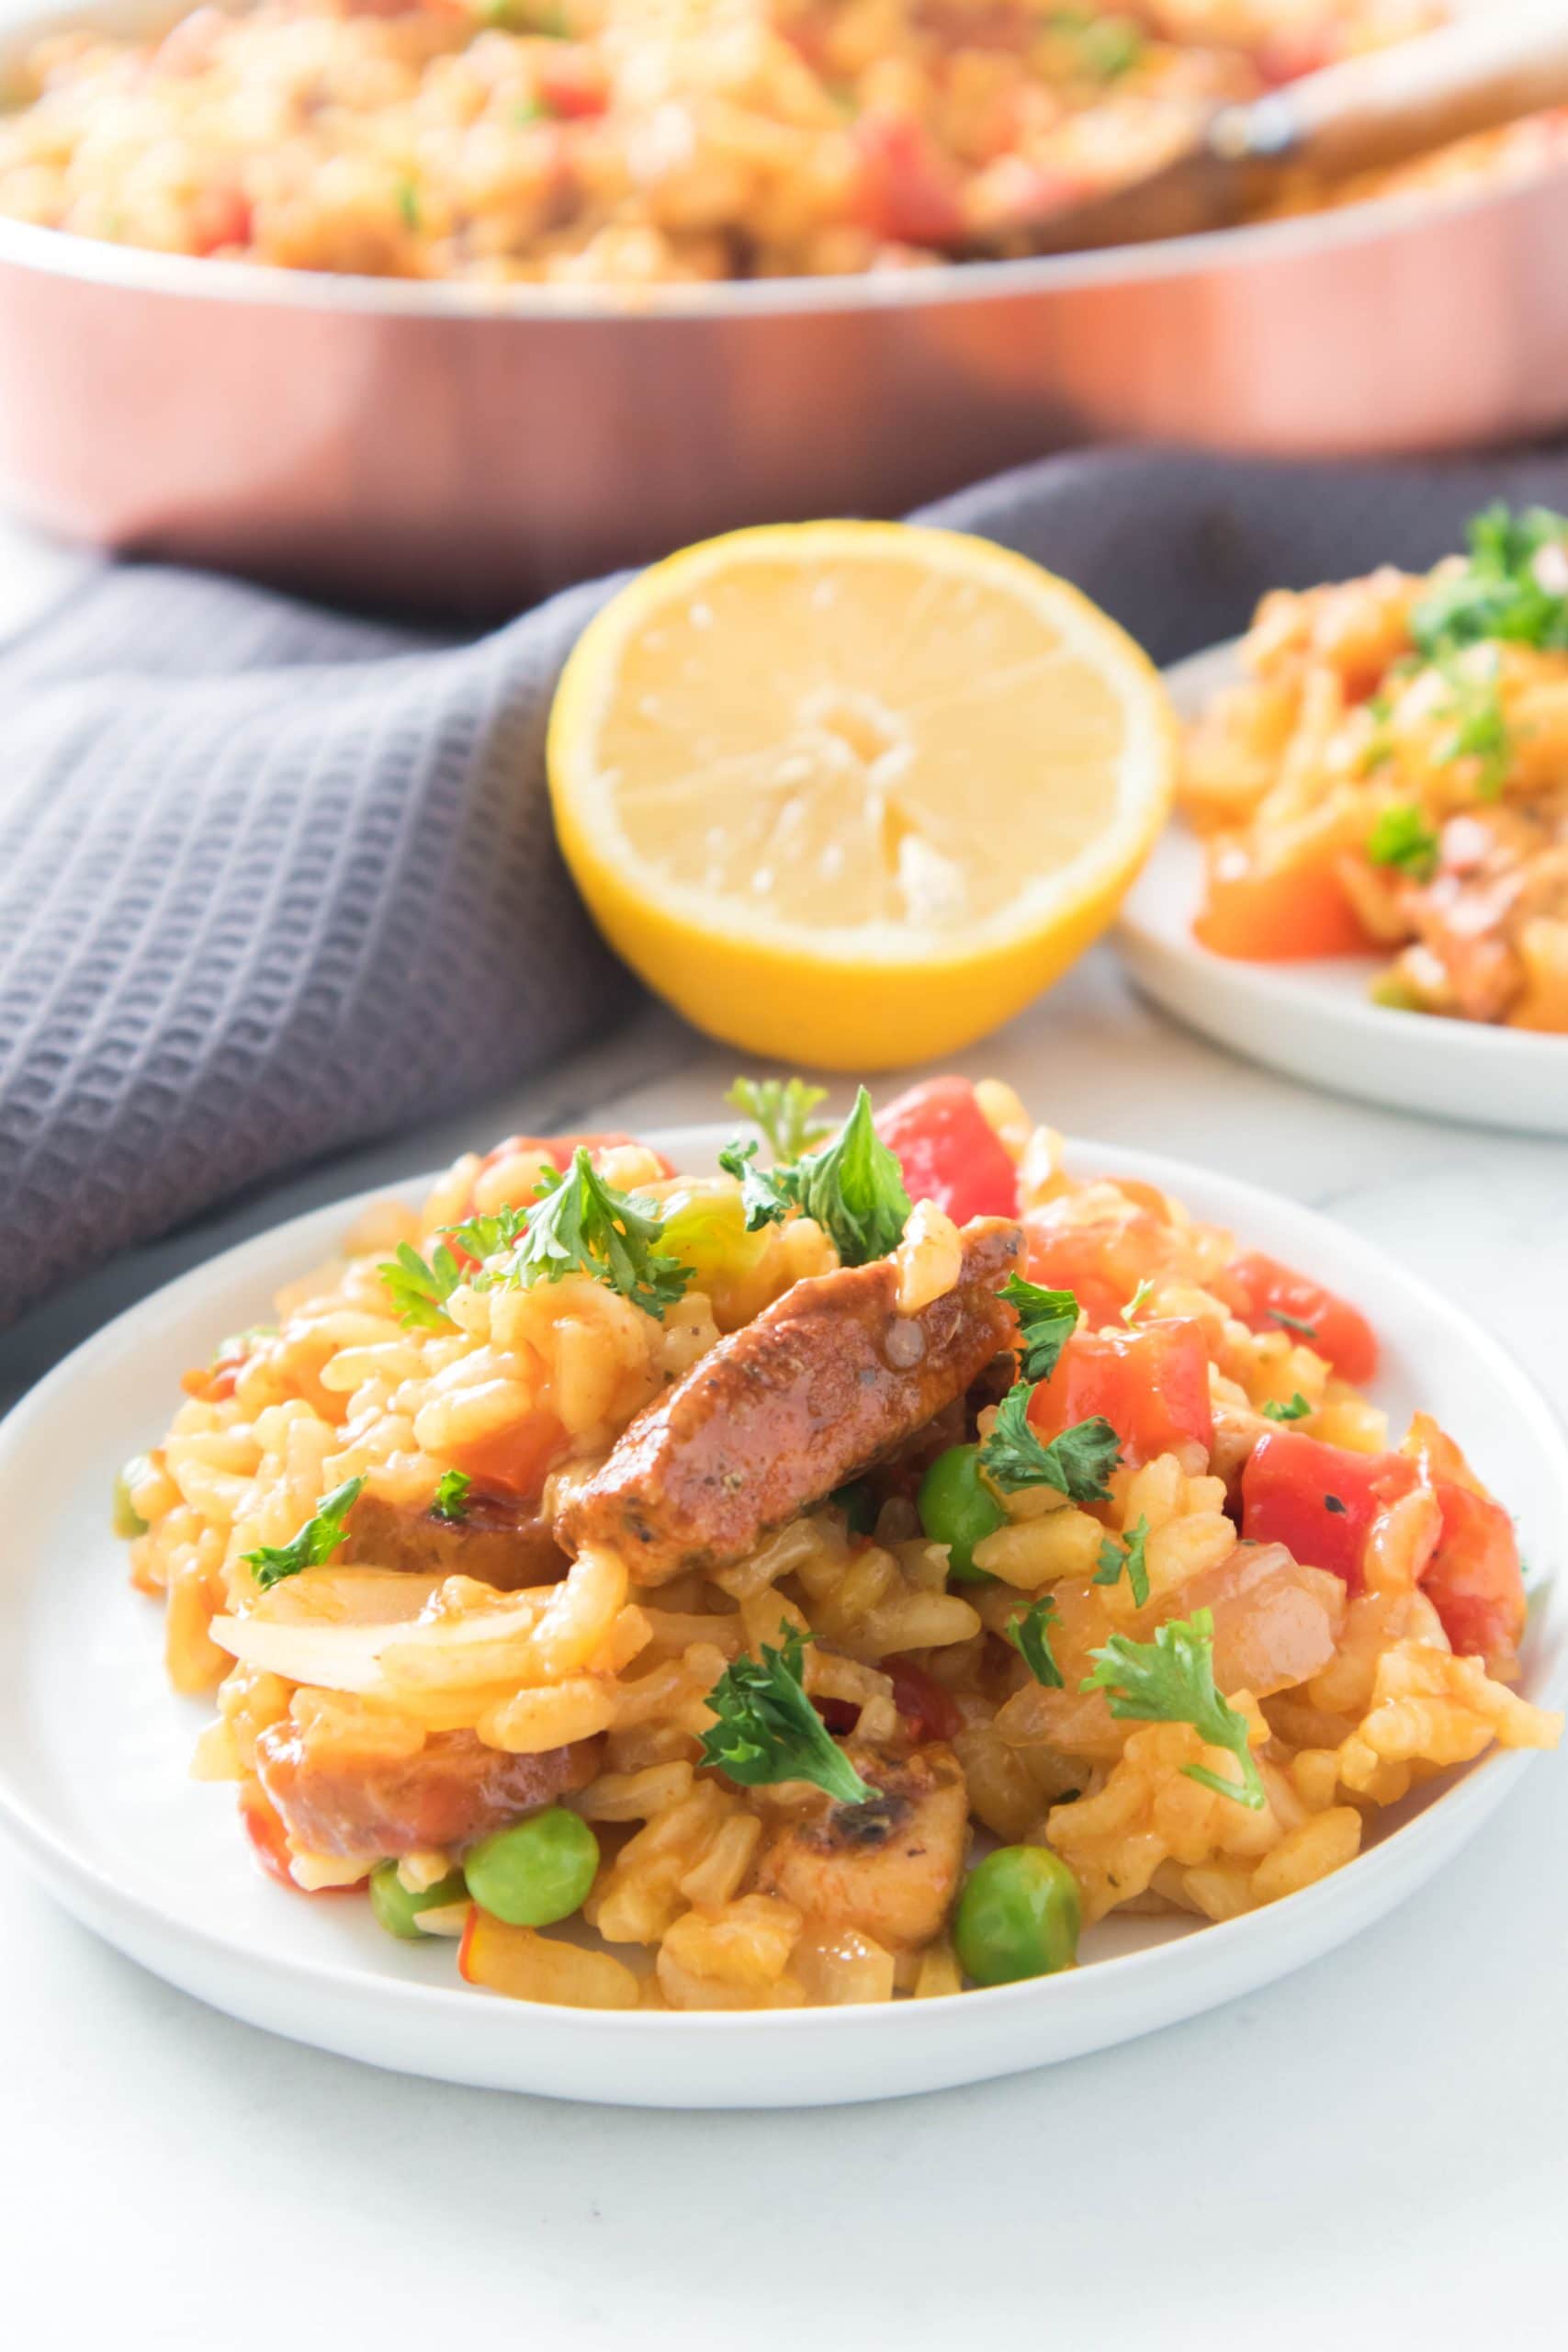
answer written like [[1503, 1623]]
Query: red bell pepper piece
[[949, 1151], [1151, 1384], [1269, 1296]]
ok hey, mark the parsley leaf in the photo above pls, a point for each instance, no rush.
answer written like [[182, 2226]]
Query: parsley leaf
[[762, 1197], [314, 1544], [782, 1107], [1076, 1463], [580, 1225], [1401, 837], [1296, 1411], [407, 204], [452, 1496], [1292, 1322], [1481, 732], [1046, 1322], [1030, 1634], [768, 1730], [486, 1236], [1114, 1557], [420, 1290], [853, 1187], [1171, 1681], [1510, 588]]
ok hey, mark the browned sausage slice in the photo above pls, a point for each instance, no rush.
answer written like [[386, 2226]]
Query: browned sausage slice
[[826, 1380], [454, 1791], [495, 1542]]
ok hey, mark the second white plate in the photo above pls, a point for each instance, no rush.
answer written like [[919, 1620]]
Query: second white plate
[[1314, 1020]]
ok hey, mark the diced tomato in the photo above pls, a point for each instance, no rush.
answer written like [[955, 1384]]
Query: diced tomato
[[908, 195], [1269, 1296], [930, 1712], [264, 1829], [516, 1461], [1151, 1385], [949, 1151], [1101, 1263], [572, 84], [1473, 1580], [1290, 1488], [1319, 1501], [220, 216], [1280, 914]]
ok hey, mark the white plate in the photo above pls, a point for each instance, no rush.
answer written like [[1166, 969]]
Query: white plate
[[93, 1749], [1314, 1020]]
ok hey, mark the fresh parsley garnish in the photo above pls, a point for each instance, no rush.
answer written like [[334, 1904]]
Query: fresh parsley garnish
[[1481, 732], [1296, 1411], [1293, 1322], [1171, 1681], [764, 1199], [314, 1544], [1030, 1634], [1506, 590], [1134, 1306], [782, 1107], [408, 204], [1105, 47], [419, 1288], [1401, 837], [452, 1495], [853, 1187], [1046, 1321], [768, 1730], [580, 1225], [1114, 1557], [1076, 1463], [487, 1236]]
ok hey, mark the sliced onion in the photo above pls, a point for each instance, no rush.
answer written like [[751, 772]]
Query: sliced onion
[[331, 1658]]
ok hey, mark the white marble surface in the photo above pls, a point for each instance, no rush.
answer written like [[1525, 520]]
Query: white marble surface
[[1369, 2154]]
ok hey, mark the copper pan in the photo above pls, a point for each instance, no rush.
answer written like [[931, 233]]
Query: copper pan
[[450, 446]]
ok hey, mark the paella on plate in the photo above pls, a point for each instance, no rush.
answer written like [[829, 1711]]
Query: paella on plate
[[847, 1576]]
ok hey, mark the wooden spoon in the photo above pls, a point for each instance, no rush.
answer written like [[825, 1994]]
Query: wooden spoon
[[1372, 111]]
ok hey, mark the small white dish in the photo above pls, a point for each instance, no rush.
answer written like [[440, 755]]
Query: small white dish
[[1314, 1019], [93, 1749]]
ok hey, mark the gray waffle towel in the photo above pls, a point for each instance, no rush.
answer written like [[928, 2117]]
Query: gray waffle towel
[[274, 882]]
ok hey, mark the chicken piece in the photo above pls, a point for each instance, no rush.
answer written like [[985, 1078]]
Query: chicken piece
[[453, 1791], [828, 1379], [496, 1542], [891, 1867]]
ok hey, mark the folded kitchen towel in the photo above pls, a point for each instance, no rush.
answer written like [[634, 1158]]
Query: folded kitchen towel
[[274, 882]]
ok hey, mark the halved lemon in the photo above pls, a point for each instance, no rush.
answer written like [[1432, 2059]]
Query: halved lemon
[[851, 794]]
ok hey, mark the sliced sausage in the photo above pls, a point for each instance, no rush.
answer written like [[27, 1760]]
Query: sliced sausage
[[454, 1791], [496, 1542], [826, 1380]]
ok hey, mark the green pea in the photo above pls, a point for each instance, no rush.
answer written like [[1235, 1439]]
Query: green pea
[[397, 1910], [958, 1508], [1018, 1915], [126, 1520], [538, 1870], [858, 1504]]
